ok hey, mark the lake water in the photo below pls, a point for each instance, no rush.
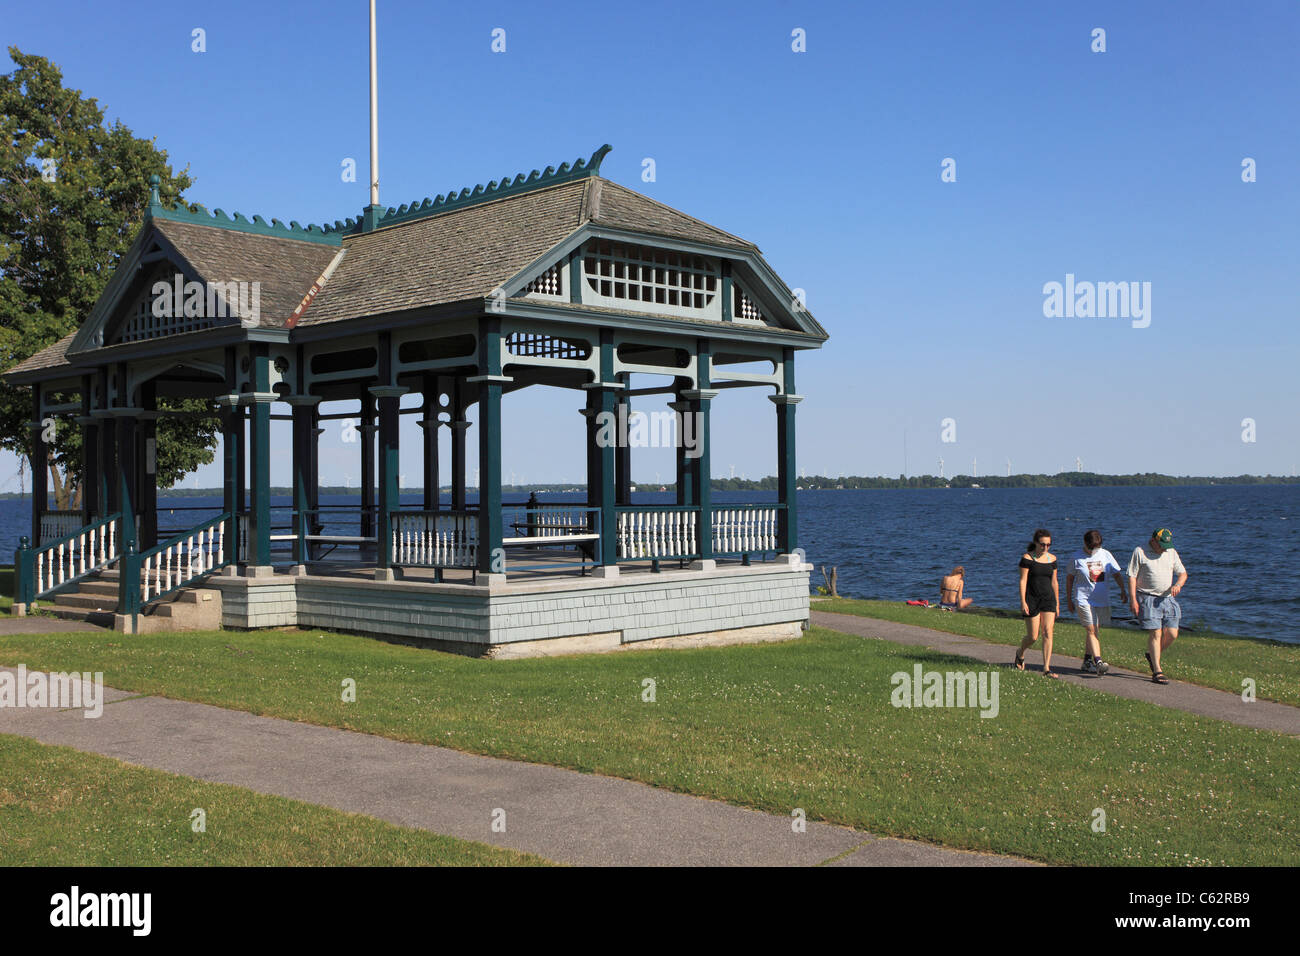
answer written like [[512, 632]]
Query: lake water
[[1240, 543]]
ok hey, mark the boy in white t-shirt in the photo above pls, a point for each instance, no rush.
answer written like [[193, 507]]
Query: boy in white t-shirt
[[1085, 585]]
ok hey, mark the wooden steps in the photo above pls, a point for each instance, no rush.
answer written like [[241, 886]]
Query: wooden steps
[[95, 602]]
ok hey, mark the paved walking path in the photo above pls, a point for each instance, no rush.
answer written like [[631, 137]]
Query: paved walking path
[[1204, 701], [562, 815]]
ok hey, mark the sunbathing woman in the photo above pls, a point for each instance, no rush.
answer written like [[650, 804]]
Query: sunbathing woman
[[951, 589]]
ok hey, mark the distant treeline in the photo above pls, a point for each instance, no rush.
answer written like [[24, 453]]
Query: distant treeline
[[1066, 479]]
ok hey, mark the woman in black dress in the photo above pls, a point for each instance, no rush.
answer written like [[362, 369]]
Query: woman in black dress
[[1040, 598]]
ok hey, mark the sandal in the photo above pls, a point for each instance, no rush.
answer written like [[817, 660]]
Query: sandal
[[1157, 675], [1020, 662], [1052, 674]]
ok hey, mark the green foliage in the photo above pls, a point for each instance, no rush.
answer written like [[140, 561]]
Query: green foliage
[[73, 193]]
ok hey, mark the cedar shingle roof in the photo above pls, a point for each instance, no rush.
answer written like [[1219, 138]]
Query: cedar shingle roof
[[286, 268], [423, 259], [450, 257], [52, 356], [613, 205]]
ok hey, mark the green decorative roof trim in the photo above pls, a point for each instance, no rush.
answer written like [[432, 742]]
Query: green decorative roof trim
[[237, 222], [497, 189], [392, 216]]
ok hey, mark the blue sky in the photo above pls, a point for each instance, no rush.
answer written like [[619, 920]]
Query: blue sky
[[1115, 166]]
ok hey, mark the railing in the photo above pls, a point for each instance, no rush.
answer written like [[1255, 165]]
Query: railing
[[657, 532], [60, 524], [745, 529], [178, 562], [671, 532], [547, 527], [40, 571], [435, 539]]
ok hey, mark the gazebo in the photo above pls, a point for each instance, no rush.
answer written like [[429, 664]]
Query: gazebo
[[557, 278]]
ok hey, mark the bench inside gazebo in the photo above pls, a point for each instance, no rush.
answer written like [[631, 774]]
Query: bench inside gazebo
[[559, 278]]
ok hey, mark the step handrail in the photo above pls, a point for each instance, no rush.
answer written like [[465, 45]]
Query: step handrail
[[55, 564], [151, 575]]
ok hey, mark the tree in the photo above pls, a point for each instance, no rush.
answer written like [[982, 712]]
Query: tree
[[73, 193]]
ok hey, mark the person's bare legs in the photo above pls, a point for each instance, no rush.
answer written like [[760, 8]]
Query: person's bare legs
[[1167, 637], [965, 603], [1031, 635], [1091, 645], [1154, 647], [1049, 622]]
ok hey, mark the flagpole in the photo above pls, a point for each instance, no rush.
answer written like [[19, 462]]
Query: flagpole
[[374, 114]]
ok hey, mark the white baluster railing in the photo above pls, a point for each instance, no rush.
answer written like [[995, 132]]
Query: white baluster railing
[[75, 554], [446, 540]]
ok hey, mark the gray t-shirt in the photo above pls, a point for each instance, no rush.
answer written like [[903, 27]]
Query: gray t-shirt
[[1155, 575]]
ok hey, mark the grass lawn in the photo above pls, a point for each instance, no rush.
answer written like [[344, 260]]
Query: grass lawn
[[6, 588], [806, 724], [61, 807], [1206, 658]]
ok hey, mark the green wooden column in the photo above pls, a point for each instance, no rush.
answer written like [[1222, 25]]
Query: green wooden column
[[685, 474], [491, 555], [602, 454], [107, 446], [430, 391], [40, 470], [128, 582], [89, 454], [147, 463], [387, 395], [787, 524], [701, 399], [623, 454], [232, 438], [367, 432], [458, 428], [259, 461], [303, 438], [313, 474]]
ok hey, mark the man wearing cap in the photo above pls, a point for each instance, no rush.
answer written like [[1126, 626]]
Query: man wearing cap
[[1152, 594]]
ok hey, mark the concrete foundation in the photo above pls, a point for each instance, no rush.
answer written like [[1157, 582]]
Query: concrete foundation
[[539, 616]]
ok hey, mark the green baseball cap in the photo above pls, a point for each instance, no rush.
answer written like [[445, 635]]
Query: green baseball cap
[[1164, 537]]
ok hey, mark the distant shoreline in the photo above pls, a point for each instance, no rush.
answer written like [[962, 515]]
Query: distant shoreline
[[1073, 479]]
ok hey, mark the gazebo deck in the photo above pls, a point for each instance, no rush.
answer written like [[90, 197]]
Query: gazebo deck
[[531, 612]]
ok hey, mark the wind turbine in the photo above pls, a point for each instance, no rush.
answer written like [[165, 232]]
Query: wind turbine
[[974, 469], [940, 467]]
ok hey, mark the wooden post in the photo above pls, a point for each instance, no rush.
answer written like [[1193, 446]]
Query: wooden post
[[491, 554], [147, 463], [623, 455], [39, 462], [90, 461], [430, 394], [232, 457], [107, 448], [787, 524], [603, 492], [701, 398], [458, 428], [367, 431], [259, 459], [388, 395]]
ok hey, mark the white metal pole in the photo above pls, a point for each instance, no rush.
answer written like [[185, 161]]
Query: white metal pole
[[374, 114]]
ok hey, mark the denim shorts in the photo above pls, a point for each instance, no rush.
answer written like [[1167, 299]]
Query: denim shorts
[[1155, 612]]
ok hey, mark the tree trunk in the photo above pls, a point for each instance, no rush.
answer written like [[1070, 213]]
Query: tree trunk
[[62, 489], [830, 580]]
